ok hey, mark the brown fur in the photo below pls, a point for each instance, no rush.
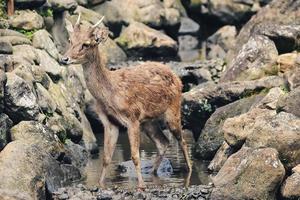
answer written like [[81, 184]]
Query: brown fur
[[130, 96]]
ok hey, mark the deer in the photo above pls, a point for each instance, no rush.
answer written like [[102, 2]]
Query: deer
[[128, 96]]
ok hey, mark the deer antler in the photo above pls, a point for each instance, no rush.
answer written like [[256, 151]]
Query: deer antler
[[78, 19], [98, 23]]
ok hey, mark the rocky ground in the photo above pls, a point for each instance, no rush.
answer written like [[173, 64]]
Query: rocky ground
[[239, 62]]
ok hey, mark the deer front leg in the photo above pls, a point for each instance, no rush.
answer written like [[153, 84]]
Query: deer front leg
[[111, 134], [134, 140]]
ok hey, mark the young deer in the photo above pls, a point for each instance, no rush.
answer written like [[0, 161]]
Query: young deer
[[127, 96]]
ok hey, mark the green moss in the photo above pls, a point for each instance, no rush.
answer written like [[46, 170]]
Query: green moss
[[122, 41], [27, 33], [46, 12]]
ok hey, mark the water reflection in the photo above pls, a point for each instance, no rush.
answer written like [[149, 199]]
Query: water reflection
[[148, 151]]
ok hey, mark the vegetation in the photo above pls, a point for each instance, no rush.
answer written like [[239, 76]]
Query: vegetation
[[46, 12], [3, 13]]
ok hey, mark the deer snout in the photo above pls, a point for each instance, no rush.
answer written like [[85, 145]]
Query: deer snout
[[65, 60]]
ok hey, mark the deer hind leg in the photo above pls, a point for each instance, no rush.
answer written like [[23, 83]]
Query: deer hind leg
[[134, 140], [173, 119], [154, 132]]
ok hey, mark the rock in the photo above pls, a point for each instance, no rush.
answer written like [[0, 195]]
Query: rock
[[77, 154], [27, 20], [139, 40], [237, 129], [165, 168], [25, 55], [95, 2], [5, 47], [15, 40], [291, 186], [281, 132], [9, 32], [293, 79], [200, 102], [5, 125], [2, 88], [283, 12], [211, 137], [188, 48], [113, 53], [48, 64], [9, 195], [290, 102], [45, 101], [221, 42], [62, 5], [271, 99], [220, 157], [43, 40], [29, 3], [24, 71], [287, 61], [59, 32], [21, 104], [40, 76], [188, 26], [253, 61], [88, 15], [249, 174]]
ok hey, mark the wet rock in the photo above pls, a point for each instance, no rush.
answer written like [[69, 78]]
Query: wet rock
[[26, 19], [139, 40], [220, 157], [5, 47], [221, 42], [200, 102], [62, 5], [211, 137], [249, 174], [5, 125], [29, 3], [237, 129], [21, 104], [290, 189], [281, 132], [290, 102], [165, 168], [43, 40], [253, 61]]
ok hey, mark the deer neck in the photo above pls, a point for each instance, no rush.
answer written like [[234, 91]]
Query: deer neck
[[97, 76]]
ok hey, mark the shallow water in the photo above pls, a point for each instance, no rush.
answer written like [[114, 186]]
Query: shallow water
[[148, 152]]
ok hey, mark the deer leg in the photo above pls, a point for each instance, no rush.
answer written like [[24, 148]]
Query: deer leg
[[174, 122], [134, 140], [161, 142]]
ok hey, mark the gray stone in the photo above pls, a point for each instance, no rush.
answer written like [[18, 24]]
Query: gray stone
[[20, 101], [290, 189], [2, 87], [26, 19], [44, 99], [58, 5], [249, 174], [113, 53], [5, 47], [5, 125], [15, 40], [48, 64], [188, 26], [290, 102]]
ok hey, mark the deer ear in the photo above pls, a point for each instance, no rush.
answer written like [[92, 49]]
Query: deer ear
[[101, 35]]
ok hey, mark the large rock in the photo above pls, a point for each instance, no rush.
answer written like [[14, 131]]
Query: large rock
[[139, 40], [113, 53], [15, 40], [5, 125], [291, 186], [49, 64], [221, 42], [290, 102], [58, 5], [5, 47], [211, 137], [44, 99], [21, 103], [26, 19], [249, 174], [200, 102], [43, 40]]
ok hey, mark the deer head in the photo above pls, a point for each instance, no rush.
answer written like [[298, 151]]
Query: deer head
[[82, 40]]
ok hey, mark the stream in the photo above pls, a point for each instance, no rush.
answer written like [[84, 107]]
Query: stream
[[114, 177]]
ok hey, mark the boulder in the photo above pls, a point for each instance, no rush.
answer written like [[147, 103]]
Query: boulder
[[5, 47], [293, 78], [281, 132], [5, 125], [21, 103], [283, 12], [113, 53], [288, 61], [211, 137], [44, 99], [27, 20], [188, 50], [221, 42], [58, 5], [139, 40], [188, 27], [249, 174], [15, 40], [48, 64], [25, 55], [290, 102], [290, 189], [9, 32], [201, 101], [43, 40]]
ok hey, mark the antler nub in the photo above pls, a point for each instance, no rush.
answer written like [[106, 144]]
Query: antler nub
[[78, 19], [98, 23]]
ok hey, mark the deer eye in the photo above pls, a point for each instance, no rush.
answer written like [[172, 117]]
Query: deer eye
[[85, 45]]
